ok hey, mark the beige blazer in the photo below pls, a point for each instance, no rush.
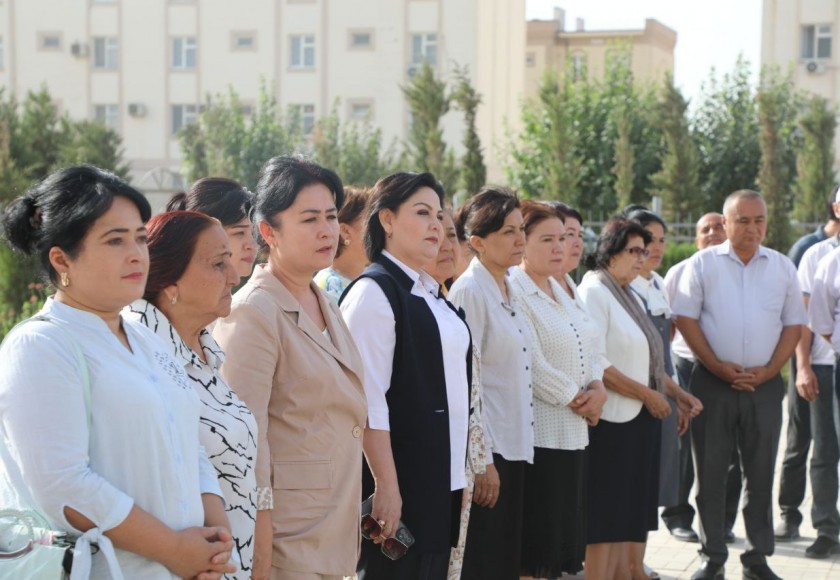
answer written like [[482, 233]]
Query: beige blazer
[[305, 390]]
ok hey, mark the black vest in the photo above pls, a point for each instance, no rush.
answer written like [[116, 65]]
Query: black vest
[[419, 414]]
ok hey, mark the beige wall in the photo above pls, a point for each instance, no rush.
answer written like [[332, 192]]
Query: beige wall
[[488, 36], [781, 44], [549, 46]]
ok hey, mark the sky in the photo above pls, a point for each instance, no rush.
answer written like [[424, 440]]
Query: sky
[[710, 33]]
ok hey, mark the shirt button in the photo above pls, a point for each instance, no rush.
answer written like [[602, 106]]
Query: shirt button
[[171, 418], [357, 431], [524, 349], [527, 368]]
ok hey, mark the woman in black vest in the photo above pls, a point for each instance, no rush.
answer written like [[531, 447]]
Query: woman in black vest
[[416, 351]]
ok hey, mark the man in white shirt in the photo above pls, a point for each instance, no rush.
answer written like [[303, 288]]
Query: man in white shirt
[[740, 309], [792, 477], [813, 370], [678, 518]]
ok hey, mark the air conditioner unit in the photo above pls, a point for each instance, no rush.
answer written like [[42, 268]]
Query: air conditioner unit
[[413, 69], [137, 110], [79, 49], [815, 67]]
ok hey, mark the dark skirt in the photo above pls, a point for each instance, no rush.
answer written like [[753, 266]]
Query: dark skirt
[[494, 536], [554, 536], [669, 460], [623, 479]]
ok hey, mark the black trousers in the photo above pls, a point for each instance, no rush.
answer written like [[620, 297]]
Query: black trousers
[[752, 421], [681, 515], [792, 478]]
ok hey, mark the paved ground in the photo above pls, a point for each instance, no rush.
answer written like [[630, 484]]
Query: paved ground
[[673, 559]]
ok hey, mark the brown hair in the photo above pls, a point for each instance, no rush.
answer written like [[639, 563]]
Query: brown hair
[[534, 212], [355, 207]]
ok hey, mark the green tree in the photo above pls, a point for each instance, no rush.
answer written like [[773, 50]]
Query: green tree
[[91, 142], [473, 170], [777, 109], [725, 129], [814, 160], [353, 149], [624, 159], [676, 182], [39, 134], [428, 101], [542, 160], [223, 142]]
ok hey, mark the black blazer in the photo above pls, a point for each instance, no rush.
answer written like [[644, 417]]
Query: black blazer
[[419, 414]]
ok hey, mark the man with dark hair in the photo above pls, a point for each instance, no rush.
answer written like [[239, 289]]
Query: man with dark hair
[[739, 308], [792, 479]]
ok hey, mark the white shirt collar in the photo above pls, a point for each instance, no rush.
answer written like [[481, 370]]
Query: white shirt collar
[[420, 278]]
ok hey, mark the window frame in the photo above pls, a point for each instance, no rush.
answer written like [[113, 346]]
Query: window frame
[[108, 110], [353, 32], [425, 43], [299, 113], [183, 53], [44, 35], [305, 42], [184, 114], [113, 49], [816, 35]]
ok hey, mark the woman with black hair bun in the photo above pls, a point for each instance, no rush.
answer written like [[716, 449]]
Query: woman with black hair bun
[[96, 416], [230, 203]]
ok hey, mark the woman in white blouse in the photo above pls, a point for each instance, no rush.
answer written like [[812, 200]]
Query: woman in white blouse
[[135, 477], [568, 396], [492, 222], [625, 445], [190, 280], [417, 358]]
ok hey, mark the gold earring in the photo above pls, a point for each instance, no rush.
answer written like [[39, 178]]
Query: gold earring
[[390, 234], [346, 242], [65, 279]]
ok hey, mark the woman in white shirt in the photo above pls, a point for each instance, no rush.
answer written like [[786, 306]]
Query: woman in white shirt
[[568, 396], [135, 478], [624, 447], [417, 357], [190, 278], [492, 222]]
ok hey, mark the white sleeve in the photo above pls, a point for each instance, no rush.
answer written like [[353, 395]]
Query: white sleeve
[[823, 302], [597, 303], [45, 426], [369, 318], [208, 477]]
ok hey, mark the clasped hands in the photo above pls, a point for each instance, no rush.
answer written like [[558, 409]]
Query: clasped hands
[[740, 378], [590, 402], [205, 548]]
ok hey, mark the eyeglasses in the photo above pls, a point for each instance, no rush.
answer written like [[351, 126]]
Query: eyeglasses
[[394, 547], [638, 252]]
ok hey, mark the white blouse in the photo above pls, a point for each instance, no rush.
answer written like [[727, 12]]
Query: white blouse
[[142, 446], [369, 317], [228, 430], [502, 335], [565, 361], [621, 343]]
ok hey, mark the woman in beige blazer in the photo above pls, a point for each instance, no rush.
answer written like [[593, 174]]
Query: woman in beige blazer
[[291, 359]]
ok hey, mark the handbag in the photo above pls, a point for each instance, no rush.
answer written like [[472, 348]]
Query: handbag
[[28, 547]]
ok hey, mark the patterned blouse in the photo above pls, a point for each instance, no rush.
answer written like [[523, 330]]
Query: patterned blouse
[[565, 361], [228, 430], [331, 282]]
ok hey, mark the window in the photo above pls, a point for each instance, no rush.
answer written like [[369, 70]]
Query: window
[[243, 40], [303, 51], [108, 115], [530, 59], [361, 40], [49, 41], [424, 49], [183, 115], [106, 53], [578, 66], [816, 41], [361, 110], [183, 53], [303, 117]]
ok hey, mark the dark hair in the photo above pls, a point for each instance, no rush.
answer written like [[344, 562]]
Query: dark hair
[[390, 193], [566, 211], [218, 197], [486, 211], [534, 212], [612, 241], [280, 182], [633, 207], [831, 201], [61, 209], [646, 217], [354, 208], [172, 239]]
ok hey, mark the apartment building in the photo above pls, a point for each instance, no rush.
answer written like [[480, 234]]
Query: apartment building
[[144, 67], [799, 34], [550, 45]]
